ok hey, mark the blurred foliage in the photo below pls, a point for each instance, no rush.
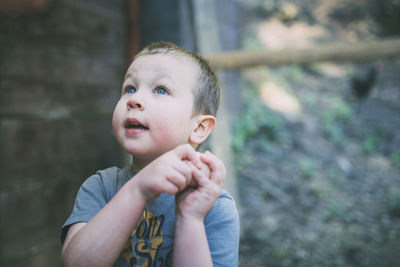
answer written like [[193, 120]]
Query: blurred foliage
[[250, 42], [259, 7], [307, 167], [337, 112], [320, 189], [384, 15], [255, 120], [370, 144], [395, 205], [395, 158]]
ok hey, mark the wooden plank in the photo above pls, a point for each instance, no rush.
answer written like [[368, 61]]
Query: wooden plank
[[208, 41], [357, 52], [133, 28]]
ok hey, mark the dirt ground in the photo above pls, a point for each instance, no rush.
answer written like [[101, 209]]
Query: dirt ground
[[319, 167]]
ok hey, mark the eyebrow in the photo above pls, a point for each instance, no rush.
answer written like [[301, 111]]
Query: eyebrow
[[159, 78], [127, 75]]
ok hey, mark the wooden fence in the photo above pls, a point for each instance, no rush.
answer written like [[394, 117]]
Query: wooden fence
[[355, 52]]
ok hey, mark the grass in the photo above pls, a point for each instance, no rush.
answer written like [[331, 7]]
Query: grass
[[336, 113], [370, 143], [395, 158], [307, 168]]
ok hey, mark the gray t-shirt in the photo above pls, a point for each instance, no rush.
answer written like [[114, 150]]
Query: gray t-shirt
[[152, 241]]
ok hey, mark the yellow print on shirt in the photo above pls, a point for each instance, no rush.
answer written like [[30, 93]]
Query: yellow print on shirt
[[145, 241]]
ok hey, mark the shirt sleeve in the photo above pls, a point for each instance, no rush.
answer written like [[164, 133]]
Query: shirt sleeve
[[222, 228], [91, 198]]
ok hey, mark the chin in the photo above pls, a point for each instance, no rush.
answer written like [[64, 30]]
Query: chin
[[134, 151], [141, 153]]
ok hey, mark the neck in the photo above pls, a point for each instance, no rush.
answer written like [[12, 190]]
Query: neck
[[139, 163]]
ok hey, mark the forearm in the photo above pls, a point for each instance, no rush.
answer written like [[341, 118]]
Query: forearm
[[101, 240], [191, 245]]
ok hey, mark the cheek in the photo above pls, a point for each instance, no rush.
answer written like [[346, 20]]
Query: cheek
[[174, 131], [164, 129], [114, 125], [116, 119]]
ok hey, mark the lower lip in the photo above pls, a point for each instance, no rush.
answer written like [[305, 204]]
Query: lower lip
[[131, 131]]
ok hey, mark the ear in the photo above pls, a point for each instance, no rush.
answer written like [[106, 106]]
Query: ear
[[203, 126]]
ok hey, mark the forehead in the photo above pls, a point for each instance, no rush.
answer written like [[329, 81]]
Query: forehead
[[174, 65]]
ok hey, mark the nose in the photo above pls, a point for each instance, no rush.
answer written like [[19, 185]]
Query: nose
[[135, 103]]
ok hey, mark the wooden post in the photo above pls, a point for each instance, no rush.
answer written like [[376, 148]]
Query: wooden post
[[208, 42], [357, 52], [133, 28]]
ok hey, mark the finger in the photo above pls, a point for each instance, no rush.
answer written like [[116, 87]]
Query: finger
[[185, 168], [205, 184], [205, 169], [169, 188], [200, 178], [187, 152], [178, 180], [182, 166], [217, 167]]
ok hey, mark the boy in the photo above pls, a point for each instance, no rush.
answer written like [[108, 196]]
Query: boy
[[166, 208]]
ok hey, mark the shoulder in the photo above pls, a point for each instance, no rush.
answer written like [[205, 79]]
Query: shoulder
[[102, 177], [225, 194], [106, 182], [224, 209], [226, 200]]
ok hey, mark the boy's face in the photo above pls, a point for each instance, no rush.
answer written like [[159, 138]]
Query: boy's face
[[154, 114]]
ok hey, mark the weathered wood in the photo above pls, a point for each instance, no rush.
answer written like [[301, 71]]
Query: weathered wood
[[229, 23], [133, 27], [207, 39], [357, 52], [52, 75]]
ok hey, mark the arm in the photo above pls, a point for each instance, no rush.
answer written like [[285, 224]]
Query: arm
[[223, 231], [191, 244], [106, 233]]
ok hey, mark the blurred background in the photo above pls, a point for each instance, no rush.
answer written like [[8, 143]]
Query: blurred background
[[314, 154]]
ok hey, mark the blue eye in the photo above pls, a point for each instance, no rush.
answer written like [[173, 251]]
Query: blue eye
[[161, 91], [131, 90]]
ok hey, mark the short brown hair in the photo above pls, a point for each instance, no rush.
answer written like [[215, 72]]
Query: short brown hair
[[207, 89]]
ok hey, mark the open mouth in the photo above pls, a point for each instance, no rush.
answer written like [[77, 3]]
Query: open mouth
[[134, 124]]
